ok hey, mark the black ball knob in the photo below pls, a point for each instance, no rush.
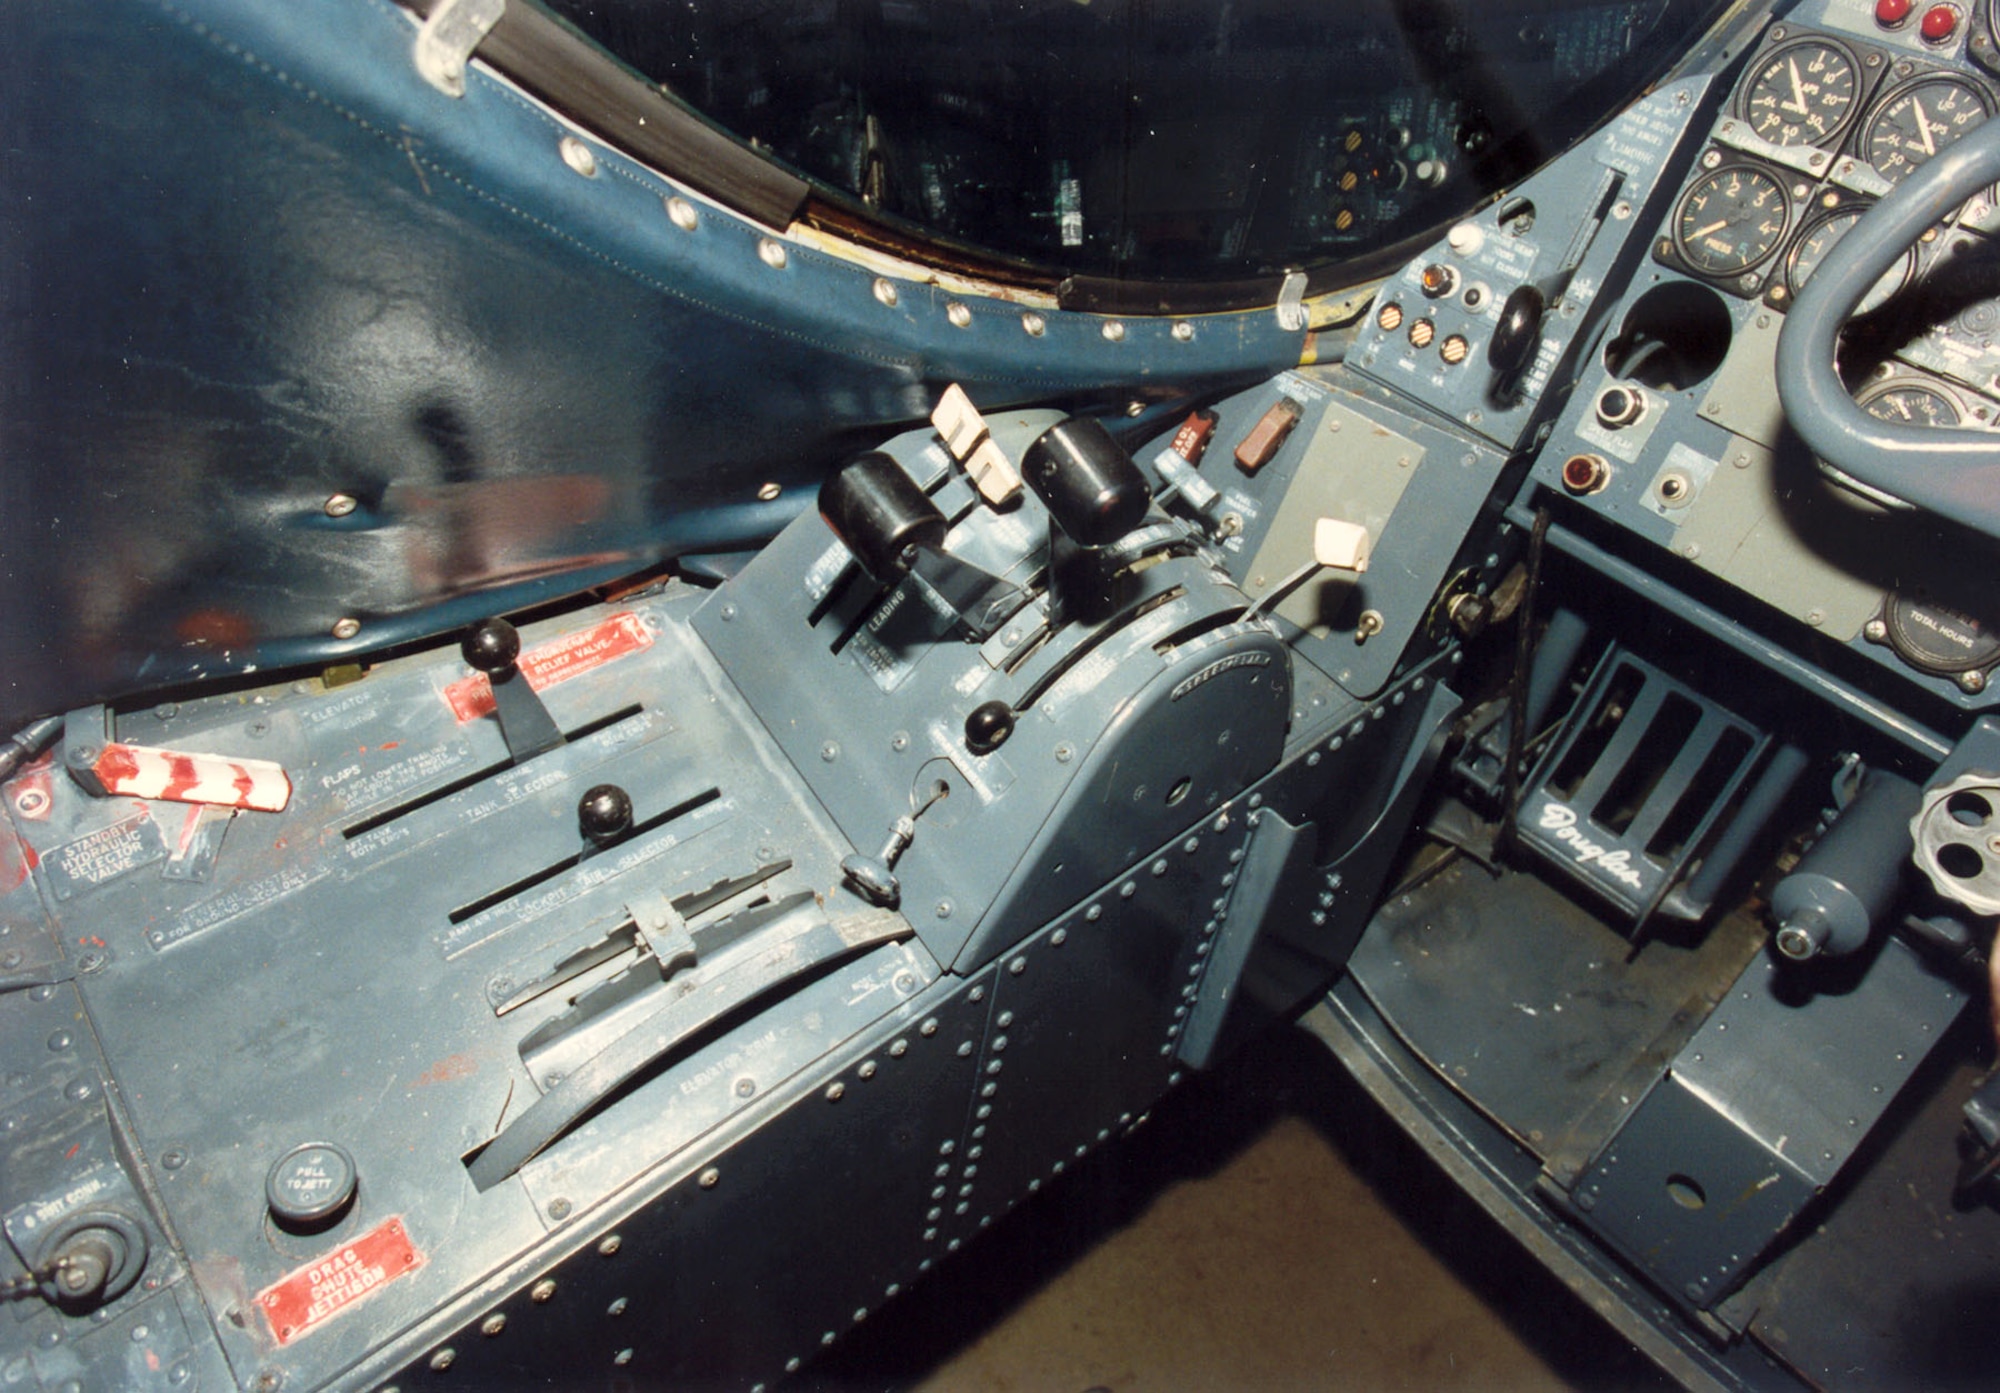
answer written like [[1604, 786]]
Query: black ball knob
[[604, 813], [492, 647], [988, 727]]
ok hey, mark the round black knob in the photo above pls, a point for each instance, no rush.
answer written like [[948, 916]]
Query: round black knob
[[604, 813], [492, 647], [1519, 331], [310, 1185], [988, 727]]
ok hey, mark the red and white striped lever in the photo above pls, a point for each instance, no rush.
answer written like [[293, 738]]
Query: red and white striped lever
[[116, 769]]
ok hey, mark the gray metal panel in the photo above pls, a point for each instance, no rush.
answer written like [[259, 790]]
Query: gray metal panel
[[1563, 202], [1086, 1014], [754, 1255], [1757, 1115]]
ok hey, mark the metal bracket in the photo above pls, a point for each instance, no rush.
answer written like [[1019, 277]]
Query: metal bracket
[[1292, 302], [449, 36]]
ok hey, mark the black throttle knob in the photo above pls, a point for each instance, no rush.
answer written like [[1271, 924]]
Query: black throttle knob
[[492, 647], [880, 515], [1519, 330], [604, 813], [1086, 480]]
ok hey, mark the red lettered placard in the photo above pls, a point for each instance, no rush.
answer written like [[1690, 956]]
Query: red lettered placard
[[321, 1290], [558, 660]]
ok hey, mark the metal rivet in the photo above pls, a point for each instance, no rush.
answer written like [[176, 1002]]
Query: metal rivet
[[682, 213], [1018, 966], [1114, 331], [612, 1242], [173, 1159], [340, 505], [1035, 325], [976, 994], [623, 1357], [1059, 938], [929, 1027], [899, 1048], [772, 253], [709, 1178], [344, 629], [830, 751], [959, 315], [542, 1290], [885, 291], [768, 492], [493, 1324], [1094, 913], [558, 1209], [1183, 331], [578, 157], [440, 1361]]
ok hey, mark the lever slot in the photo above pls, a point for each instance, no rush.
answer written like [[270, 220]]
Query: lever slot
[[801, 944], [1092, 641], [627, 938], [550, 872], [479, 775]]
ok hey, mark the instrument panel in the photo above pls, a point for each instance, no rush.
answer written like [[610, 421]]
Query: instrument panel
[[1676, 434]]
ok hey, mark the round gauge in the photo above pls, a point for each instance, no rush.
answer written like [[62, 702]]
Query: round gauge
[[1907, 405], [1802, 94], [1914, 122], [1820, 237], [1937, 638], [1730, 219]]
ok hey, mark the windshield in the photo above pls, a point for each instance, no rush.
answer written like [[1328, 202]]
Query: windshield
[[1152, 139]]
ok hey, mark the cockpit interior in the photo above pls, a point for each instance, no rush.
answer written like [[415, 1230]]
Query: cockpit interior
[[659, 658]]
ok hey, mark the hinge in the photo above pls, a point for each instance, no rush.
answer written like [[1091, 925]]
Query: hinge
[[448, 37]]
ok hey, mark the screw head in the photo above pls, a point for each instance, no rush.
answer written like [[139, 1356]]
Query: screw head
[[885, 291], [346, 628], [579, 157], [340, 505], [542, 1290], [682, 213], [493, 1324]]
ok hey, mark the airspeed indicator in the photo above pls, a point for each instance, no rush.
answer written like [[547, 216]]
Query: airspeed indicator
[[1730, 220]]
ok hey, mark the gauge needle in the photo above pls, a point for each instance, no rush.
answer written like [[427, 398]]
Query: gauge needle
[[1715, 226], [1923, 126], [1798, 88]]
